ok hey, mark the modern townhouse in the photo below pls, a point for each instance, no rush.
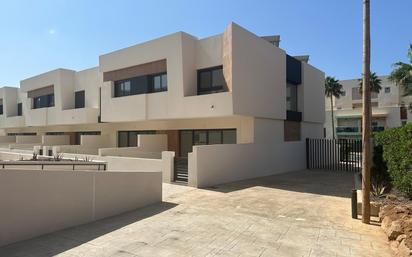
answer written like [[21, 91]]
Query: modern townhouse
[[389, 109], [228, 107]]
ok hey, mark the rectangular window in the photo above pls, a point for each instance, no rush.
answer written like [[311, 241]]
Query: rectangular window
[[159, 82], [79, 99], [387, 90], [189, 138], [293, 70], [210, 80], [129, 138], [141, 85], [1, 109], [343, 93], [19, 109], [43, 101], [291, 97]]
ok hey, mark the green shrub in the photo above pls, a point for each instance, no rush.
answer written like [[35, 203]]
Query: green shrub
[[380, 178], [397, 153]]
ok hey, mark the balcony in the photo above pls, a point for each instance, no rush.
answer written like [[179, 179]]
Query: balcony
[[356, 130], [13, 122]]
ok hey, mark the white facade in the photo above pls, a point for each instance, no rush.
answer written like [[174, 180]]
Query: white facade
[[246, 115], [389, 109]]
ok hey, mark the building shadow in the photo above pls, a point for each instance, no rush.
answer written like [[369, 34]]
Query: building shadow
[[60, 241], [321, 182]]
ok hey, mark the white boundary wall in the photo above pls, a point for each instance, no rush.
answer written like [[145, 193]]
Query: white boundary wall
[[34, 202], [217, 164]]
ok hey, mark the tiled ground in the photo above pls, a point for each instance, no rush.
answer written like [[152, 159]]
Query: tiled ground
[[303, 213]]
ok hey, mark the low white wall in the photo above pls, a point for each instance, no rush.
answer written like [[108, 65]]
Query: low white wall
[[74, 149], [129, 152], [126, 163], [28, 139], [216, 164], [56, 140], [152, 143], [10, 156], [95, 141], [7, 139], [33, 202]]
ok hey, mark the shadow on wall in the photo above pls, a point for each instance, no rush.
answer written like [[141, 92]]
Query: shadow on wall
[[61, 241], [321, 182]]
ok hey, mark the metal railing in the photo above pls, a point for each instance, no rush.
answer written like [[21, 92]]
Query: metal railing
[[73, 165], [357, 129]]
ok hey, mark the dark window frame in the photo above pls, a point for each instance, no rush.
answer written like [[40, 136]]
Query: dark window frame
[[211, 88], [207, 136], [80, 99], [43, 101], [1, 109], [148, 86], [129, 132], [19, 109]]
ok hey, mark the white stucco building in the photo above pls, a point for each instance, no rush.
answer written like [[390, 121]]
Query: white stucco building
[[231, 106], [389, 109]]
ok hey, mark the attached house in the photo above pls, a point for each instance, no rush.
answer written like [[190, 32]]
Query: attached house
[[389, 109], [229, 107]]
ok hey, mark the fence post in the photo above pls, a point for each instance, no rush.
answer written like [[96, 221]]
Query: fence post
[[307, 153], [354, 204]]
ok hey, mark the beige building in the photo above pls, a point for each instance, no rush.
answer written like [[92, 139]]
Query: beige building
[[231, 106], [389, 109]]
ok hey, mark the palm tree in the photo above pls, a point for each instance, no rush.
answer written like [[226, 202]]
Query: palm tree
[[402, 74], [332, 89], [374, 81], [366, 115]]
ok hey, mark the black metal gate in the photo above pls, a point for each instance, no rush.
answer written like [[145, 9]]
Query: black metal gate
[[334, 154]]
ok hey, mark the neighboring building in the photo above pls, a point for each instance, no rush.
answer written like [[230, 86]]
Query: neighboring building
[[232, 106], [389, 109]]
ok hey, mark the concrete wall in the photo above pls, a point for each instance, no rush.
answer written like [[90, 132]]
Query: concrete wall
[[28, 139], [128, 152], [7, 139], [217, 164], [39, 202], [152, 143], [55, 140]]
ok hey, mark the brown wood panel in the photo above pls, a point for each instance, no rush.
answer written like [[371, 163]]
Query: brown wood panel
[[41, 91], [291, 130], [172, 140], [135, 71]]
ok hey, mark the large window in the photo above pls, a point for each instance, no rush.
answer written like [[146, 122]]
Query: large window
[[291, 97], [129, 138], [1, 109], [189, 138], [141, 85], [79, 99], [210, 80], [19, 109], [43, 101], [293, 70]]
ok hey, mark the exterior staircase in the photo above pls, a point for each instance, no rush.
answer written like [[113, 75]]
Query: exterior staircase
[[181, 167]]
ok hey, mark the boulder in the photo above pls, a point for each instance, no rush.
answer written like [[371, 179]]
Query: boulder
[[404, 250]]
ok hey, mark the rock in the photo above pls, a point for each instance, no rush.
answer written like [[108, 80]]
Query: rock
[[394, 229], [400, 238], [391, 197], [404, 250]]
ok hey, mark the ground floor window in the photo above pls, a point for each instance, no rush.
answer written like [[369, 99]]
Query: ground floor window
[[189, 138], [22, 134], [54, 133], [78, 135], [129, 138]]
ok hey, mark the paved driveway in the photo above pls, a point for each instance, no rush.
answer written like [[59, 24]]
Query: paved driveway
[[304, 213]]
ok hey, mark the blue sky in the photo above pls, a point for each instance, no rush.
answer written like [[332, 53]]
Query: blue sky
[[37, 36]]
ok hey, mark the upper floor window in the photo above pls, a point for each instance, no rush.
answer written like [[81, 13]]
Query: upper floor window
[[210, 80], [343, 93], [293, 70], [43, 101], [1, 109], [19, 109], [79, 99], [159, 82], [387, 90], [141, 85], [291, 97]]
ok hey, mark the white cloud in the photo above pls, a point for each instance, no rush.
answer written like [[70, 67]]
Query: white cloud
[[52, 31]]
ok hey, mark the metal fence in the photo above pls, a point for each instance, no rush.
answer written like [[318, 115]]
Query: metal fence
[[334, 154]]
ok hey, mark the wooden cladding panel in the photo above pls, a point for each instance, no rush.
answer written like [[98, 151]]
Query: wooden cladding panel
[[41, 91], [135, 71]]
